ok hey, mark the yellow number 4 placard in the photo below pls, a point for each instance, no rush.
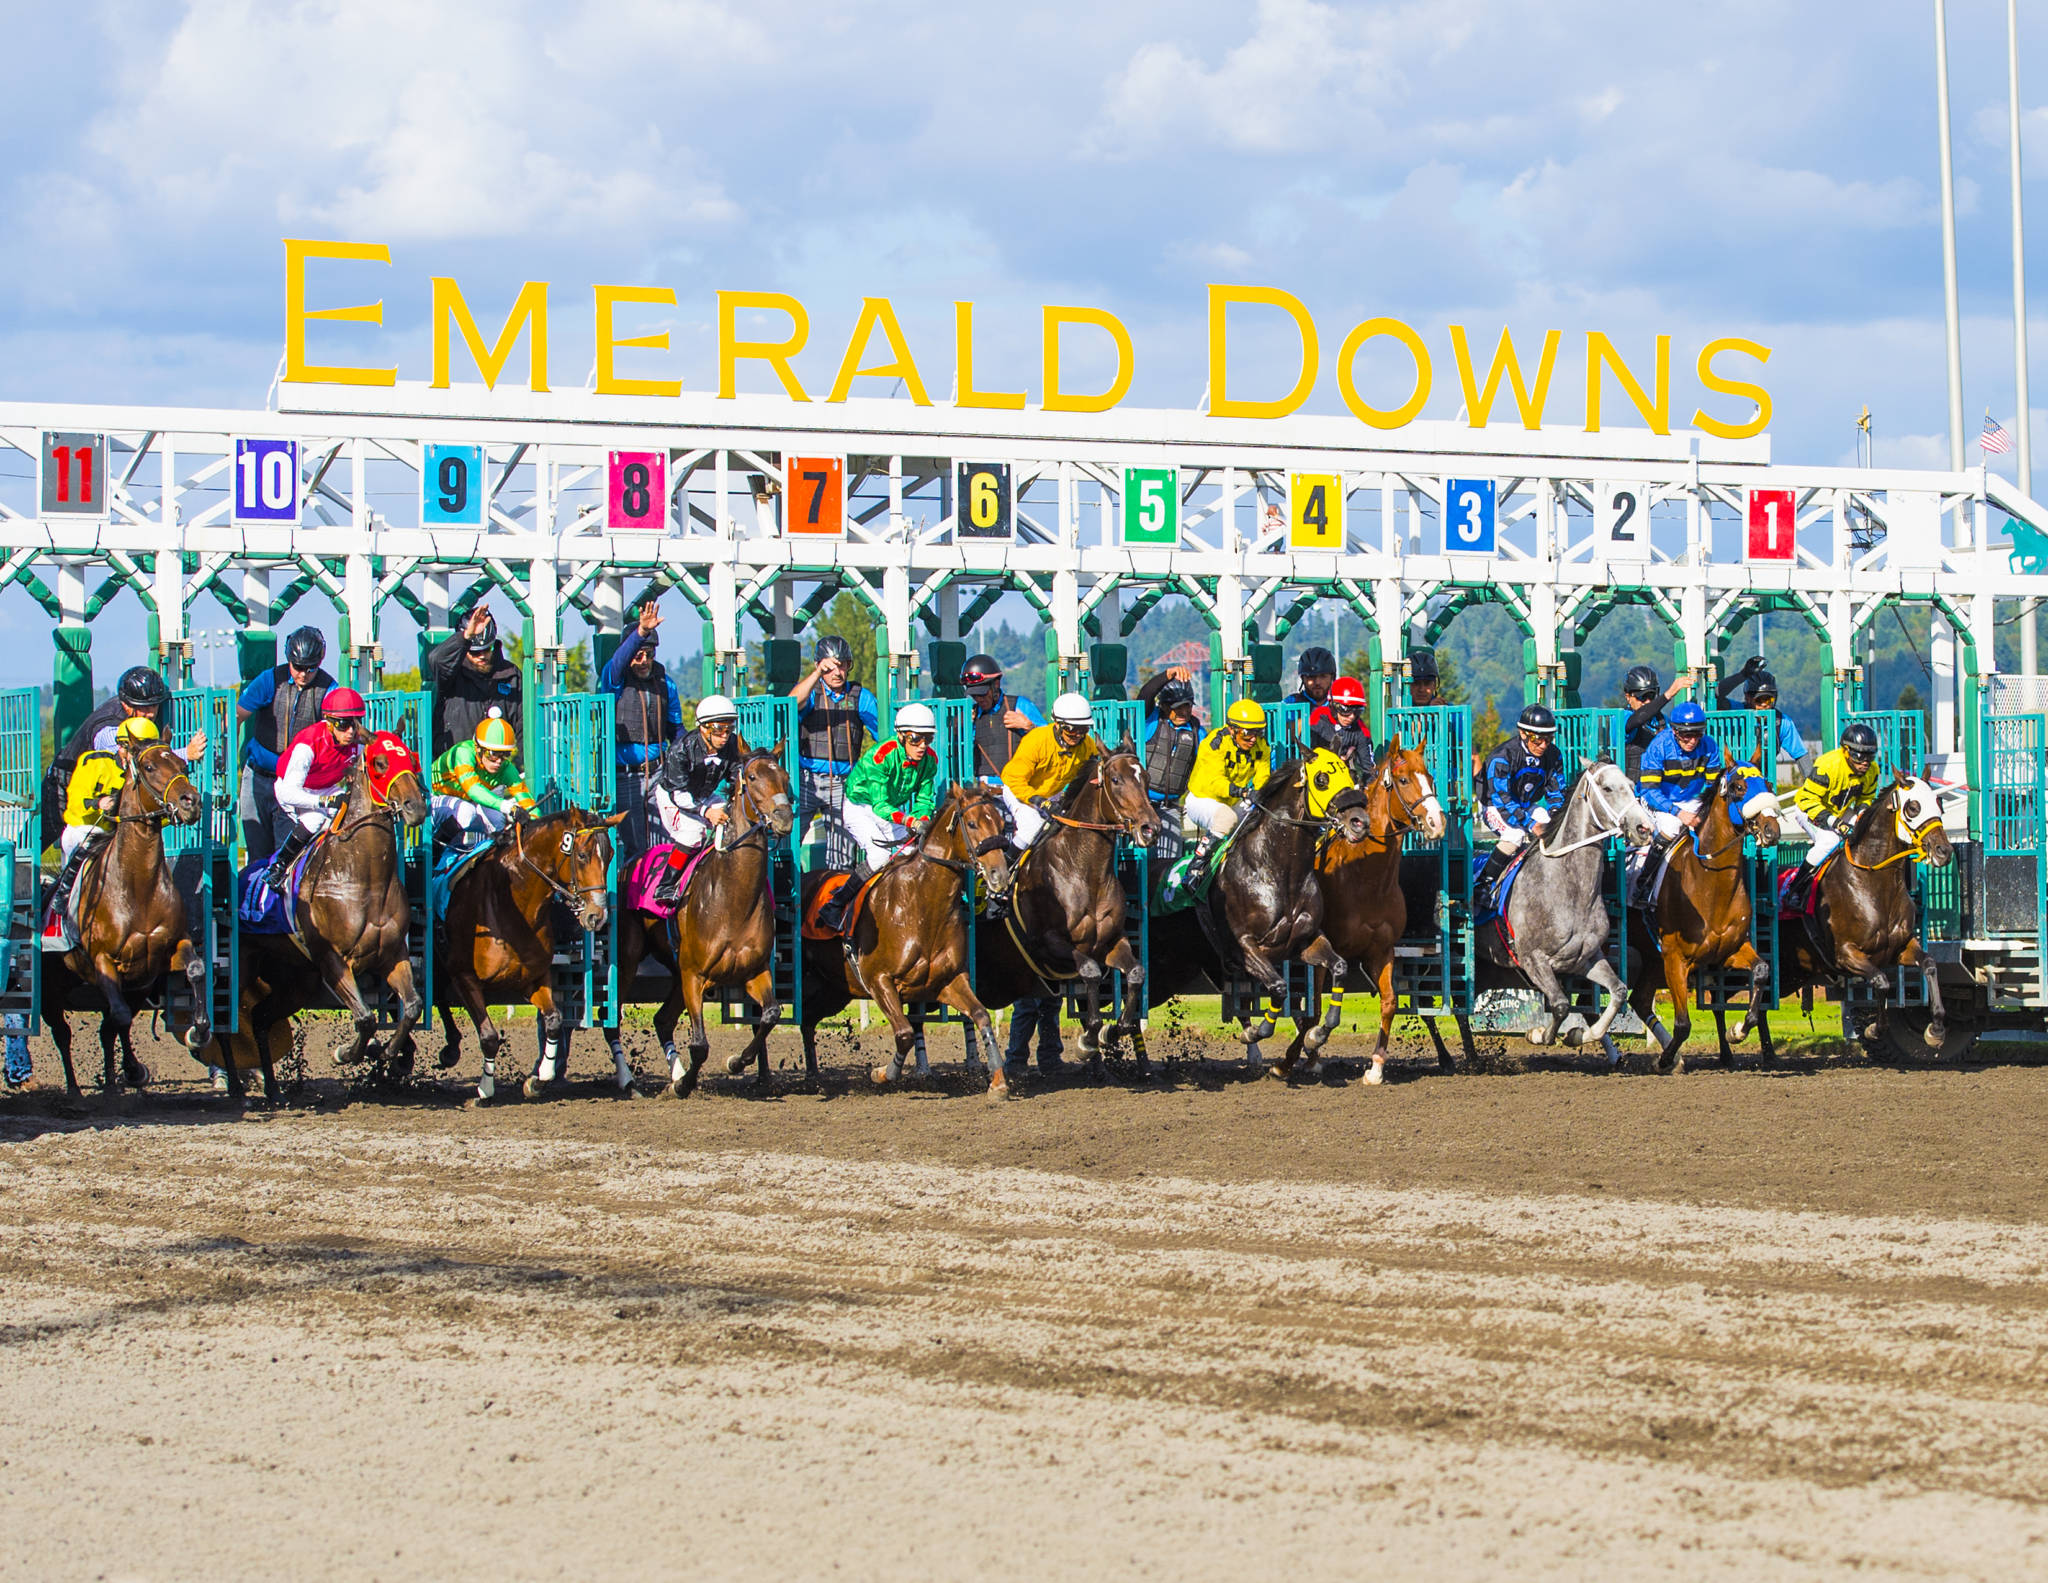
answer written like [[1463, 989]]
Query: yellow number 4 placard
[[1315, 511]]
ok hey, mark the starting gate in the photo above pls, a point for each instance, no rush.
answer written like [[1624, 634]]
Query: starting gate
[[1584, 737], [1901, 737], [1116, 719], [770, 722], [21, 964], [574, 761], [1433, 964], [2004, 877], [410, 717], [202, 855]]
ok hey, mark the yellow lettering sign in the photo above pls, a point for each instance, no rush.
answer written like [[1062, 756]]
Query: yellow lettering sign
[[965, 395], [1601, 350], [776, 354], [1059, 400], [1733, 387], [531, 307], [878, 311], [1221, 403], [1479, 401], [296, 369], [1391, 417], [608, 382]]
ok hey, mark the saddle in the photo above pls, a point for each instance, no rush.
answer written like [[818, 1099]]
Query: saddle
[[828, 888], [60, 932], [644, 880], [1799, 888]]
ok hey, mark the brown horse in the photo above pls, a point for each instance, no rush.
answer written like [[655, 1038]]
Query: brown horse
[[133, 927], [497, 943], [1864, 925], [1364, 912], [1703, 911], [723, 933], [1068, 906], [908, 942], [352, 918]]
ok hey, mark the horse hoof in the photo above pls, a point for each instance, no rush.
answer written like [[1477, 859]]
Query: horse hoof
[[135, 1074], [735, 1064], [680, 1088], [880, 1075], [534, 1088], [998, 1085], [448, 1057], [1935, 1036], [1376, 1073]]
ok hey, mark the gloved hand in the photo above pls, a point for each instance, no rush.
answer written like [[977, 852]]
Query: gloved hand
[[899, 817], [1754, 665], [519, 813]]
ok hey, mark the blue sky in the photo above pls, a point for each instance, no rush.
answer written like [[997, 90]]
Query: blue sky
[[1743, 169]]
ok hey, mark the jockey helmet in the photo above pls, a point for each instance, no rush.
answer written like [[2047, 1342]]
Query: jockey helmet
[[916, 717], [1641, 682], [1859, 742], [981, 671], [1422, 665], [1071, 709], [1174, 694], [497, 735], [1348, 692], [1247, 714], [716, 708], [1761, 688], [1537, 721], [481, 642], [1316, 662], [137, 729], [1688, 716], [343, 703], [834, 647], [142, 688], [305, 648]]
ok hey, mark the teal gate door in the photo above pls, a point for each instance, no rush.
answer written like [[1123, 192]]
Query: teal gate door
[[770, 723], [202, 855], [1433, 964], [21, 775], [1116, 719], [409, 716], [573, 764]]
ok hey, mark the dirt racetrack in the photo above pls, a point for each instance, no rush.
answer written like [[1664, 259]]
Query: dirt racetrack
[[1542, 1325]]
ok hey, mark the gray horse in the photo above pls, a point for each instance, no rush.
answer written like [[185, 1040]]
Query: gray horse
[[1557, 911]]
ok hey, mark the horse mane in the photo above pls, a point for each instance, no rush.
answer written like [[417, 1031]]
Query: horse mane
[[1283, 780], [1571, 798], [1889, 789]]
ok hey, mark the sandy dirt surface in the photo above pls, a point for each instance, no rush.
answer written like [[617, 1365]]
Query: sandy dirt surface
[[1553, 1324]]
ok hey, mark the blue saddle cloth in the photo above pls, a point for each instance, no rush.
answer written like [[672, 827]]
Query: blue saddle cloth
[[263, 910], [449, 863], [1489, 909]]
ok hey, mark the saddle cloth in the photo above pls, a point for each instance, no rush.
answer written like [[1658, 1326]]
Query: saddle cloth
[[1496, 906], [829, 887], [647, 870], [450, 864], [266, 911], [1795, 902], [1187, 878], [58, 911]]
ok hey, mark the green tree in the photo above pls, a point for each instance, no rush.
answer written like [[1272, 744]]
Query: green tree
[[1487, 731], [1450, 686], [1910, 699], [403, 681]]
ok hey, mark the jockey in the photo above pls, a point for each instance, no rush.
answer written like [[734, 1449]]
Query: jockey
[[1174, 737], [1045, 762], [93, 796], [1831, 799], [1423, 680], [477, 785], [1522, 786], [893, 790], [1760, 691], [1676, 768], [314, 765], [1232, 762], [1646, 698], [1339, 725], [141, 693], [1000, 719], [1317, 670], [696, 778]]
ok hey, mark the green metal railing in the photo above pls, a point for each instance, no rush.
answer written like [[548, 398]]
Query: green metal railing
[[202, 855], [573, 763], [21, 775], [1433, 964]]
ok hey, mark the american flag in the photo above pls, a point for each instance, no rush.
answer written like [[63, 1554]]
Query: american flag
[[1994, 441]]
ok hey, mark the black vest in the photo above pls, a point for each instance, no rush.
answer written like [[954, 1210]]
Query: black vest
[[292, 709], [1638, 740], [641, 712], [833, 731], [1170, 758], [693, 766], [1352, 744], [994, 742], [57, 782]]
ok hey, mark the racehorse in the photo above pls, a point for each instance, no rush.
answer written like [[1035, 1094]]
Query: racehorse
[[1863, 923], [497, 940], [723, 933], [352, 917], [1066, 914], [1364, 911], [1702, 912], [1266, 906], [1556, 924], [906, 940], [133, 928]]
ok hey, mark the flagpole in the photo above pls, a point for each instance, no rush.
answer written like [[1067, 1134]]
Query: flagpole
[[1948, 242]]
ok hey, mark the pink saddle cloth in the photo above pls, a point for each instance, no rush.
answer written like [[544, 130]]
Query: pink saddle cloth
[[647, 871]]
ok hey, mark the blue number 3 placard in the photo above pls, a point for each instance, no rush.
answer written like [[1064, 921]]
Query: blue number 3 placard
[[1470, 523]]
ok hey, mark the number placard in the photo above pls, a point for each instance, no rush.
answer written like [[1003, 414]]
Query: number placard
[[1771, 522], [981, 502], [452, 486], [265, 482], [1621, 519], [1315, 511], [1471, 516], [636, 492], [814, 495], [1151, 506], [74, 474]]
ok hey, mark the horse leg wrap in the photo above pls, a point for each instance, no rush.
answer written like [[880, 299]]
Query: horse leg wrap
[[676, 1066], [1333, 1011]]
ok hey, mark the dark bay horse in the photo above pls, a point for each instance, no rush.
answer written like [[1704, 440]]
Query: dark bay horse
[[1702, 914], [909, 939], [352, 914], [1068, 905], [133, 928], [1364, 911], [723, 933], [1864, 924], [497, 941]]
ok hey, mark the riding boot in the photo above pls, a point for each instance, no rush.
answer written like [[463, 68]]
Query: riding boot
[[1205, 845], [668, 890], [1496, 865], [60, 888], [832, 916], [281, 865]]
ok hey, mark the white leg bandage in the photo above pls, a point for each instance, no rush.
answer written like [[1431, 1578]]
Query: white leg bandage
[[1029, 820], [1206, 813]]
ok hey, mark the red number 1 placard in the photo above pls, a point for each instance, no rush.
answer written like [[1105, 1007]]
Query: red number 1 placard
[[1771, 522]]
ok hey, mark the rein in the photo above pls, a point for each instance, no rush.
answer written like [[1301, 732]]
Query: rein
[[161, 814], [1606, 811], [1120, 827], [562, 892], [1916, 845]]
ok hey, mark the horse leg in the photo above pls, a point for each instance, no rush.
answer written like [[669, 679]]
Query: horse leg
[[488, 1037], [683, 1078], [1256, 1033], [340, 980], [1544, 980], [666, 1016], [1091, 1015], [1602, 973], [411, 1004], [133, 1072], [959, 994], [1937, 1013], [554, 1040], [185, 958], [119, 1014], [1376, 1071], [761, 990], [890, 1003], [60, 1034], [451, 1038], [1323, 955], [1125, 961], [1677, 980]]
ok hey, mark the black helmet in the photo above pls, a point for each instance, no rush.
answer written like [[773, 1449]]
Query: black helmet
[[1316, 662], [1538, 719], [482, 642], [1762, 685], [834, 647], [1860, 743], [1640, 681], [142, 688], [305, 648], [1422, 665], [980, 671], [1174, 694]]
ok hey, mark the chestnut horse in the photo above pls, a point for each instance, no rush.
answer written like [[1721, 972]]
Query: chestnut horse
[[1364, 911], [133, 927], [352, 918], [723, 933], [497, 941], [1703, 911], [908, 942]]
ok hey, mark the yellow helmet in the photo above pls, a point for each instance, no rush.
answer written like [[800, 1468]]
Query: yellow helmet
[[1246, 713], [497, 735], [136, 729]]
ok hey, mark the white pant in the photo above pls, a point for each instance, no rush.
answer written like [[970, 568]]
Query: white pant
[[465, 815], [1510, 837], [1824, 840], [1669, 825], [67, 843], [1206, 813], [311, 819], [878, 837], [683, 823], [1029, 820]]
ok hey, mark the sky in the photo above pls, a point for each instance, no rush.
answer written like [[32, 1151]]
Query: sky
[[1745, 169]]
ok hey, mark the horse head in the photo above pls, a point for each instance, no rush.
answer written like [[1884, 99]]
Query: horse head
[[1614, 798], [165, 777], [762, 791], [1752, 806], [1411, 795], [572, 851], [1121, 777], [1918, 811], [975, 817], [392, 776]]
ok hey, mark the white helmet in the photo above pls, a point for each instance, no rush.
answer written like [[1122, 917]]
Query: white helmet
[[916, 717], [716, 707], [1071, 709]]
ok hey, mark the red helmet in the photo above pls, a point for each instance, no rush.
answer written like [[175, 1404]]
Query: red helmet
[[343, 703], [1348, 690]]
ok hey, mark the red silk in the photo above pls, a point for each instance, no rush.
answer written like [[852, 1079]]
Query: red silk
[[385, 758]]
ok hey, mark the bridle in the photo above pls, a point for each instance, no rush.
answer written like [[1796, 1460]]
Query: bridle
[[1123, 825], [161, 814], [1605, 811], [1408, 810], [756, 827], [1914, 837], [987, 845], [572, 840]]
